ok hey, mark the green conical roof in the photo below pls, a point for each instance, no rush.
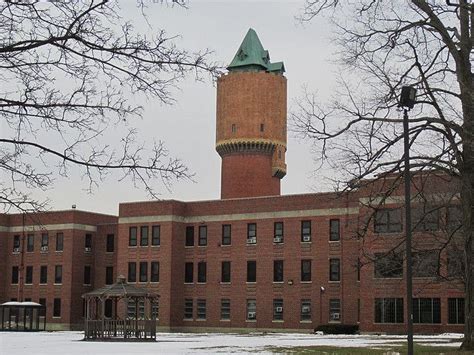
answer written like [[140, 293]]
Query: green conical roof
[[252, 56]]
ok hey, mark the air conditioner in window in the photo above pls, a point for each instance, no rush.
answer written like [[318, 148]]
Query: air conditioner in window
[[278, 309], [336, 316], [306, 309], [278, 240], [16, 250], [44, 248], [88, 249], [252, 240], [306, 238], [251, 315]]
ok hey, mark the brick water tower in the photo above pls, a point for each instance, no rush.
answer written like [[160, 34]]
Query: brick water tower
[[251, 123]]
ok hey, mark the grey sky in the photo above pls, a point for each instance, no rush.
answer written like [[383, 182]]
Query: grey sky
[[188, 126]]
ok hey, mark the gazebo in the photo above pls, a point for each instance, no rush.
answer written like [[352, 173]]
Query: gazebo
[[120, 312], [22, 316]]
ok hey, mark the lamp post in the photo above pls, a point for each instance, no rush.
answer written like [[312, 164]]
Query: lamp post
[[407, 101]]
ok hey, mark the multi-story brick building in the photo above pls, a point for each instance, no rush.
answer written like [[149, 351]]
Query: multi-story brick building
[[254, 259]]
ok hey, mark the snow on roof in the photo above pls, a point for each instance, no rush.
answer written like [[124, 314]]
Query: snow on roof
[[22, 304]]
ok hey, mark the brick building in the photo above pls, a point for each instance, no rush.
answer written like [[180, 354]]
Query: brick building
[[254, 259]]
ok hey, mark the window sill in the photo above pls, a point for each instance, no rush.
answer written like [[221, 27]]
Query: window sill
[[278, 282], [132, 246], [58, 251], [225, 283], [189, 283], [55, 284], [251, 283], [154, 282], [251, 321], [225, 320], [202, 246], [86, 285], [334, 282], [188, 319], [201, 283], [334, 241], [56, 317], [14, 284], [306, 282], [109, 252], [201, 320], [189, 246], [226, 245], [278, 321], [156, 246], [45, 284], [387, 278], [29, 284], [306, 321], [335, 321], [305, 243]]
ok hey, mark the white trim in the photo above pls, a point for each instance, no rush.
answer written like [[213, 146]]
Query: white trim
[[434, 197], [49, 227]]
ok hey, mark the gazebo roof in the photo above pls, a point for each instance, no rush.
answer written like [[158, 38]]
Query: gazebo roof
[[120, 289], [20, 304]]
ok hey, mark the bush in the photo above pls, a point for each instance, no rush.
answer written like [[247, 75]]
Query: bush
[[338, 329]]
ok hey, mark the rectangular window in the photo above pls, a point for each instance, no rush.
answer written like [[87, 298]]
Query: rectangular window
[[144, 236], [15, 275], [87, 275], [388, 265], [43, 274], [277, 270], [225, 309], [305, 231], [251, 233], [30, 243], [132, 272], [42, 301], [278, 309], [58, 274], [427, 310], [425, 263], [188, 273], [133, 312], [202, 236], [155, 310], [278, 232], [202, 266], [143, 271], [132, 237], [57, 308], [334, 230], [305, 314], [88, 242], [388, 221], [188, 308], [225, 271], [189, 236], [201, 309], [251, 271], [109, 275], [110, 247], [16, 244], [226, 234], [305, 270], [44, 241], [335, 310], [425, 218], [388, 310], [334, 270], [251, 309], [29, 275], [59, 241], [155, 271], [155, 235], [456, 310]]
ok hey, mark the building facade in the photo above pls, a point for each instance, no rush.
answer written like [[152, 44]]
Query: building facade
[[253, 259]]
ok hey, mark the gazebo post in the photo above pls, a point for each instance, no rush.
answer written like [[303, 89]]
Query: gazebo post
[[102, 305], [115, 316], [136, 317]]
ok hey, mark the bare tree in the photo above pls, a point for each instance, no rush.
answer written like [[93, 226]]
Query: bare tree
[[382, 46], [69, 71]]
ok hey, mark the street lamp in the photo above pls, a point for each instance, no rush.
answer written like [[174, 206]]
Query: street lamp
[[407, 101]]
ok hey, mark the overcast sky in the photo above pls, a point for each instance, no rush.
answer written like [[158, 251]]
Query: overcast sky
[[188, 126]]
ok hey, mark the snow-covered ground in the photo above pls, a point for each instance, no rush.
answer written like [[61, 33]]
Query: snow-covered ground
[[62, 343]]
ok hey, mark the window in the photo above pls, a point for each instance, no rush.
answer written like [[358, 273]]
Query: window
[[143, 271], [388, 310], [57, 308], [202, 236], [188, 273], [201, 309], [109, 275], [132, 237], [88, 242], [225, 271], [202, 272], [305, 231], [225, 309], [144, 236], [334, 230], [262, 127], [133, 312], [388, 265], [425, 219], [42, 301], [58, 274], [155, 235], [155, 309], [110, 247], [277, 270], [43, 274], [454, 218], [427, 310], [305, 270], [388, 221], [251, 271], [226, 234], [456, 310], [155, 271], [251, 309], [278, 309], [251, 233], [233, 128], [16, 243], [59, 241], [44, 240], [455, 261], [188, 308], [189, 236], [305, 310], [29, 275], [108, 308], [335, 310], [15, 275], [132, 272], [278, 232], [425, 263], [334, 270], [87, 275], [30, 242]]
